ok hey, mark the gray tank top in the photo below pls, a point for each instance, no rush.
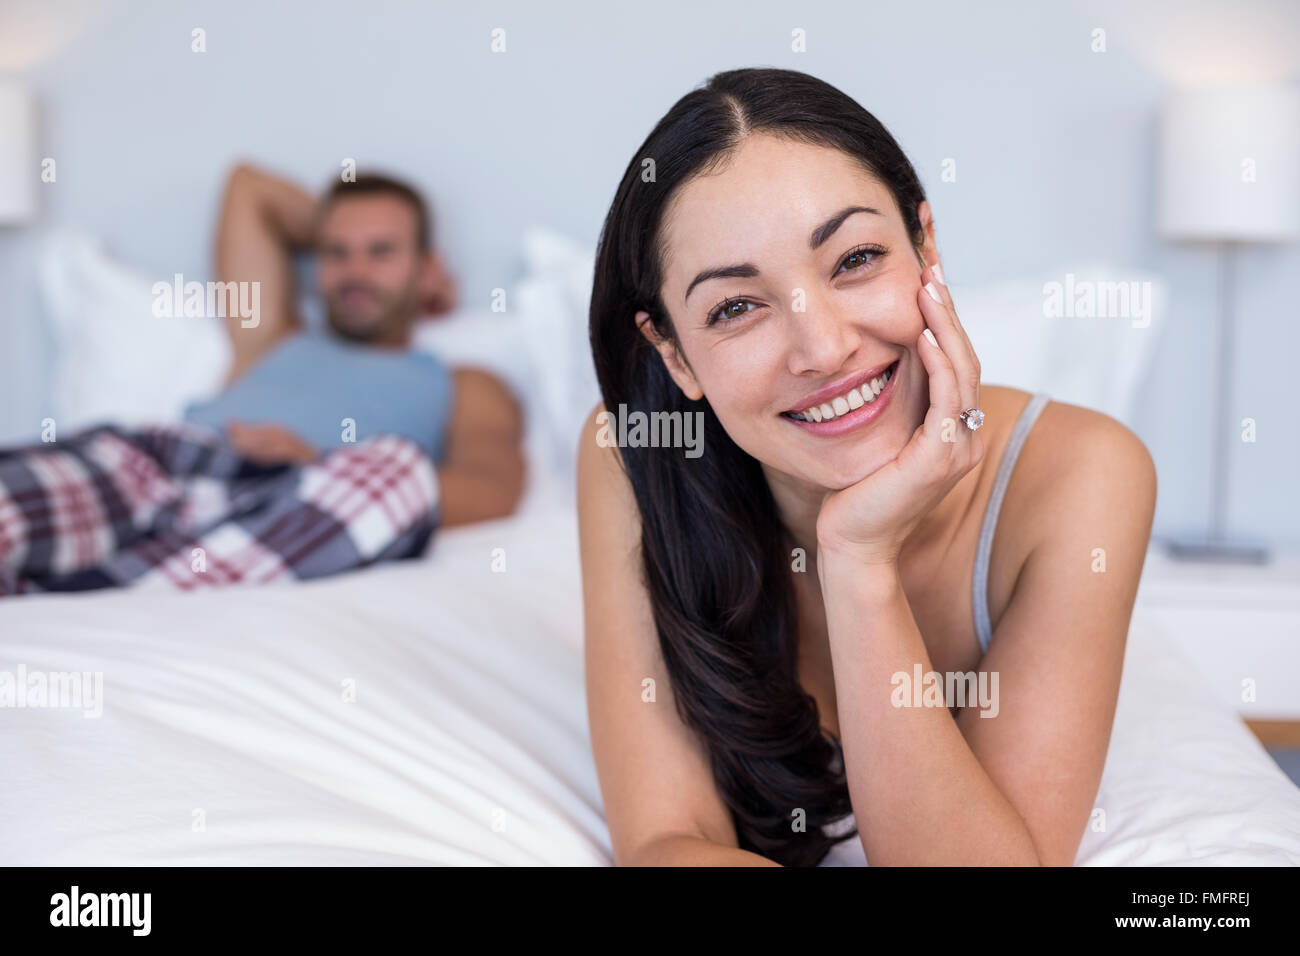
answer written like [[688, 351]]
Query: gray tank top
[[980, 584]]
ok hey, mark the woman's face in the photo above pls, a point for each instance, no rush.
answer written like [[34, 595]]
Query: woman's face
[[812, 302]]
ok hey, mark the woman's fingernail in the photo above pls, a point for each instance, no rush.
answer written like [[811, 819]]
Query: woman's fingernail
[[938, 273], [930, 335], [933, 292]]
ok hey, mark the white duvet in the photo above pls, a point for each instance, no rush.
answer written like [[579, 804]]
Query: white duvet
[[433, 712]]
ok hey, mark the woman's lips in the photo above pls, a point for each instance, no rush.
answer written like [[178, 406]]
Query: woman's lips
[[854, 418]]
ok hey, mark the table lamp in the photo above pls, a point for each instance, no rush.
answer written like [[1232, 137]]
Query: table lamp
[[1229, 175], [19, 173]]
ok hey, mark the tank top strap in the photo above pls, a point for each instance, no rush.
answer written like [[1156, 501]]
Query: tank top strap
[[980, 584]]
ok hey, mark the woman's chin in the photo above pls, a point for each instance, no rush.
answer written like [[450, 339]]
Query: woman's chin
[[841, 467], [851, 474], [835, 472]]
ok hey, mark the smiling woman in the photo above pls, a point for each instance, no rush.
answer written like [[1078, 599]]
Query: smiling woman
[[780, 278]]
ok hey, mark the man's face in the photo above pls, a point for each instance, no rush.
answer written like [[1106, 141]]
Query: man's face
[[371, 267]]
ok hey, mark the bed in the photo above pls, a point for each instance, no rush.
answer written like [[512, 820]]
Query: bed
[[432, 712]]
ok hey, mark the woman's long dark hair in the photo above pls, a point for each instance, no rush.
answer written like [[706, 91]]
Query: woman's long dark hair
[[716, 555]]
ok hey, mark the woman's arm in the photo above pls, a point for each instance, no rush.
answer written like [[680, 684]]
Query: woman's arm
[[1016, 788], [919, 795], [693, 851], [661, 802]]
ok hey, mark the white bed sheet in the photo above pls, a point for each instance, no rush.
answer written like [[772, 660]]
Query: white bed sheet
[[467, 741]]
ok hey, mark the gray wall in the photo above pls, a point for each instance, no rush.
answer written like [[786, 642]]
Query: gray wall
[[1054, 143]]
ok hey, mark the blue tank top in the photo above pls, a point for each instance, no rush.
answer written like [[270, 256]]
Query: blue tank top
[[311, 382]]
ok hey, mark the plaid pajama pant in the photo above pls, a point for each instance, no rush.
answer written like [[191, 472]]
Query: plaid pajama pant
[[176, 506]]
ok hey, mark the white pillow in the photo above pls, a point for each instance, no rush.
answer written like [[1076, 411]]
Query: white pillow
[[554, 300], [114, 360], [1098, 362]]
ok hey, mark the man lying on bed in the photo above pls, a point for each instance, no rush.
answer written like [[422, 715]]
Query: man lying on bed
[[326, 450]]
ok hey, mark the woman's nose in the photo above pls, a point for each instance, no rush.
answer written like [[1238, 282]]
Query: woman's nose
[[821, 336]]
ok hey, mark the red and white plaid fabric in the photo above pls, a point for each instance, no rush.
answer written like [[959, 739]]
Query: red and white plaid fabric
[[176, 506]]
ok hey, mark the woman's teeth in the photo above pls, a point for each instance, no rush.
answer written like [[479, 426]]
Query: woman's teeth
[[843, 404]]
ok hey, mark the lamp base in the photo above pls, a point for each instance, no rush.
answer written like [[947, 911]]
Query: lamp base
[[1213, 551]]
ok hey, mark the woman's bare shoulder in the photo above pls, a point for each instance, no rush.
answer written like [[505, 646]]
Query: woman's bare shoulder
[[1072, 454], [1064, 436], [607, 512], [599, 462], [1070, 438]]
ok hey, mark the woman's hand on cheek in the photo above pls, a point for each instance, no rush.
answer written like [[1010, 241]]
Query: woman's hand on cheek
[[868, 522]]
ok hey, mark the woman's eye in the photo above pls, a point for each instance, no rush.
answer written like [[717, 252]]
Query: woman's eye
[[858, 258], [731, 309], [728, 309]]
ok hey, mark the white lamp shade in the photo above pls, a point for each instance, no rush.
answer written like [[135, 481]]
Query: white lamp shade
[[19, 173], [1230, 165]]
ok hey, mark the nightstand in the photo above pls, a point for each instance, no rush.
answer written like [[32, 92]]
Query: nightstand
[[1235, 623]]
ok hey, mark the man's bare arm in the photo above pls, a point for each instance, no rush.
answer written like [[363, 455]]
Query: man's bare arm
[[482, 473], [264, 220]]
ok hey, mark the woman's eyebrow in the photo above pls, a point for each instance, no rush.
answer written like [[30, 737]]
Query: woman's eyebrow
[[827, 229], [747, 270]]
